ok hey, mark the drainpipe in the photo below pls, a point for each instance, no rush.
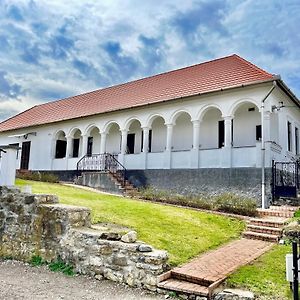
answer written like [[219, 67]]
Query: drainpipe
[[263, 149]]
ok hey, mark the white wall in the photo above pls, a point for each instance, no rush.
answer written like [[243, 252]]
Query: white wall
[[244, 125]]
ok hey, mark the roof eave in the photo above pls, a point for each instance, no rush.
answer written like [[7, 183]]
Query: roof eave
[[275, 77]]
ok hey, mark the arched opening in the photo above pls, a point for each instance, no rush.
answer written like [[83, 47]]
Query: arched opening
[[60, 145], [212, 129], [134, 138], [75, 144], [93, 141], [113, 140], [182, 133], [157, 135], [246, 125]]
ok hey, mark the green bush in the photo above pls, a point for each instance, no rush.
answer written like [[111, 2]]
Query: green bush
[[228, 203], [38, 176]]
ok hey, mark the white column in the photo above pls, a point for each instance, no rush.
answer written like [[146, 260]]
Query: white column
[[123, 141], [196, 143], [123, 146], [145, 147], [196, 134], [227, 149], [83, 146], [228, 131], [168, 153], [68, 149], [169, 137], [145, 139], [103, 142], [69, 146]]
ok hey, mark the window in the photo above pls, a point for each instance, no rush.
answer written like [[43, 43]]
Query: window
[[75, 147], [61, 148], [289, 129], [297, 140], [258, 132]]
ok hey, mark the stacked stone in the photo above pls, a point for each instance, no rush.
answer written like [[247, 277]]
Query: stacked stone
[[37, 225]]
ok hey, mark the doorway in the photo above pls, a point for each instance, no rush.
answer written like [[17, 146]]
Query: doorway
[[25, 155], [130, 143]]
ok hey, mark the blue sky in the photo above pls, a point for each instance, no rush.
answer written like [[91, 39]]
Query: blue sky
[[50, 49]]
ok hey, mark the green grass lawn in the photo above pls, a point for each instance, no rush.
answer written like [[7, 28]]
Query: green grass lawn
[[184, 233], [266, 275]]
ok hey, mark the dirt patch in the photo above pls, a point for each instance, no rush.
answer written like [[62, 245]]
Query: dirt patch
[[21, 281]]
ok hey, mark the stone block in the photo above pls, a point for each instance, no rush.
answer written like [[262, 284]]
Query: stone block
[[129, 237]]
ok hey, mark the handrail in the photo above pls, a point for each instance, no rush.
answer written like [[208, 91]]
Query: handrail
[[103, 162]]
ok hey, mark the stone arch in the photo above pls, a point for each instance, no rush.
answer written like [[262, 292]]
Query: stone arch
[[74, 131], [240, 102], [113, 138], [206, 108], [182, 139], [130, 120], [108, 125], [157, 133], [89, 128], [176, 114], [152, 118], [246, 123], [210, 134]]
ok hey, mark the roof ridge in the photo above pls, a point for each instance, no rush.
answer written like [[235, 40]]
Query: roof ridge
[[139, 79]]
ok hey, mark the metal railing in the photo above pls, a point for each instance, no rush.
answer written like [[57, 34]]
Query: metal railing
[[103, 163]]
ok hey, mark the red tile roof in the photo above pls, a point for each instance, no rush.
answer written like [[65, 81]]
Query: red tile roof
[[222, 73]]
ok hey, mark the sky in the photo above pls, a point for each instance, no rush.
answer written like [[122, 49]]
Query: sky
[[52, 49]]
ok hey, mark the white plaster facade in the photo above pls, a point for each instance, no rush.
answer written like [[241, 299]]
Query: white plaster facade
[[183, 133]]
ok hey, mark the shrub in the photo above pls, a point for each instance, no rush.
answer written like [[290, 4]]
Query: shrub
[[228, 203], [231, 203], [37, 176]]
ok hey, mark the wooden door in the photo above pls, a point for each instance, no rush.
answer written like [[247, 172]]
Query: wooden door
[[25, 155]]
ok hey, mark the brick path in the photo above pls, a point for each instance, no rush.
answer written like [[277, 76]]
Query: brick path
[[204, 273], [218, 264]]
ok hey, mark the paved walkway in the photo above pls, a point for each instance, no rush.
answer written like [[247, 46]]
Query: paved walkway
[[218, 264]]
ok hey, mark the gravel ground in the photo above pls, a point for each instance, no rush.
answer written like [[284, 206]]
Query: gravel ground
[[21, 281]]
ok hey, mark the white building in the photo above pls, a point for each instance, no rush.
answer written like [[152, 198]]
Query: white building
[[200, 117]]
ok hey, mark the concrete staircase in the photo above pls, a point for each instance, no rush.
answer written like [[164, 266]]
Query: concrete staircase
[[106, 181]]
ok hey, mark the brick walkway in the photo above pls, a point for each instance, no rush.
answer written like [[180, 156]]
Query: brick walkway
[[218, 264], [203, 274]]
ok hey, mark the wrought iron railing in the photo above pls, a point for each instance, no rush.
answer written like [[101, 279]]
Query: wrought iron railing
[[103, 163]]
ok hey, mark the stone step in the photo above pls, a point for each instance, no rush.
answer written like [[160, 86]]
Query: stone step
[[264, 229], [76, 216], [284, 208], [261, 236], [189, 278], [274, 222], [274, 213], [184, 287]]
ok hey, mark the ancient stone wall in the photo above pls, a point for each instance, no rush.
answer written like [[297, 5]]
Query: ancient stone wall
[[38, 225]]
